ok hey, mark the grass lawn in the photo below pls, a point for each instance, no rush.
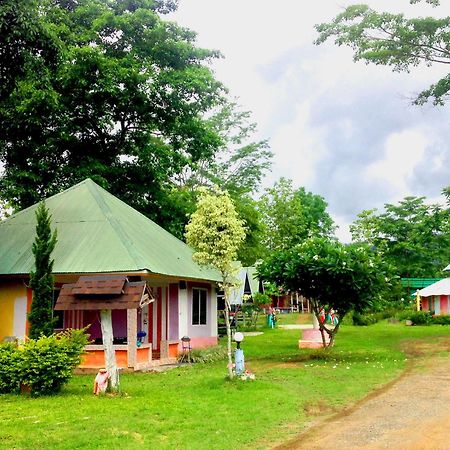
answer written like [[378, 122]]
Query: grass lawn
[[193, 407]]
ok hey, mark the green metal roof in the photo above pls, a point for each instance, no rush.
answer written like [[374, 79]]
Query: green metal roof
[[97, 232], [418, 283]]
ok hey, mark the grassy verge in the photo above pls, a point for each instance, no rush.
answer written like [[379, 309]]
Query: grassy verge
[[194, 407]]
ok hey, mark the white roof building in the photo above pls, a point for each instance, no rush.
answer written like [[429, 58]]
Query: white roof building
[[441, 287]]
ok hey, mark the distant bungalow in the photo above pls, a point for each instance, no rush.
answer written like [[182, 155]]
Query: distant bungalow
[[100, 236], [436, 297]]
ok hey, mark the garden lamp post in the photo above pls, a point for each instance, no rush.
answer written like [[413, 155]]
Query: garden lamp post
[[239, 354]]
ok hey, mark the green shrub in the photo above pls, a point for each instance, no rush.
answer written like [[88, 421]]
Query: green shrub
[[386, 314], [9, 381], [364, 319], [348, 319], [421, 318], [404, 315], [206, 355], [43, 364], [441, 320]]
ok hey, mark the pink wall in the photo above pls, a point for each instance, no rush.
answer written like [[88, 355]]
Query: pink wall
[[119, 320], [202, 342], [92, 318], [443, 301]]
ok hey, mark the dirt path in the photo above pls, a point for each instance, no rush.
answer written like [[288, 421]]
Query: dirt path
[[413, 412]]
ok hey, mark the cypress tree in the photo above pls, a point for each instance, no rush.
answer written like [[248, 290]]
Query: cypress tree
[[41, 280]]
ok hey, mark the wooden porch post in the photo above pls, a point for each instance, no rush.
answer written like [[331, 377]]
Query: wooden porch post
[[132, 337]]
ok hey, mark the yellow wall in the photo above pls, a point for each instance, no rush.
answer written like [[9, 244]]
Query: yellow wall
[[8, 294]]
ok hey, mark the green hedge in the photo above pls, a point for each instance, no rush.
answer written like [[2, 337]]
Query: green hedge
[[206, 355], [442, 320], [9, 380], [364, 319], [426, 318], [421, 318], [42, 365]]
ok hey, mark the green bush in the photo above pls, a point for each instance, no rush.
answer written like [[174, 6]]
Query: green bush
[[9, 381], [441, 320], [348, 319], [364, 319], [404, 315], [206, 355], [421, 318], [44, 364], [386, 314]]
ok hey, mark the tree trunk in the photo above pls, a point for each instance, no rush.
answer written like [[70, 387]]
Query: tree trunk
[[333, 334], [110, 354], [227, 323], [316, 320]]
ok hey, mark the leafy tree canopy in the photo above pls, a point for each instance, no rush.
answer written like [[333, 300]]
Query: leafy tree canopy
[[332, 275], [413, 236], [240, 163], [216, 232], [237, 167], [292, 215], [394, 40], [102, 89]]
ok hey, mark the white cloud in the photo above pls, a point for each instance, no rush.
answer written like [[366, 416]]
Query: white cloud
[[298, 148], [404, 151], [346, 131], [342, 232]]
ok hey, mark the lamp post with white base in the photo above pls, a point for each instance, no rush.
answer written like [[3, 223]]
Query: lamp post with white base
[[239, 354]]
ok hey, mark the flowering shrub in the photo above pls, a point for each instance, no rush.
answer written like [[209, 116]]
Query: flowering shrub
[[42, 365]]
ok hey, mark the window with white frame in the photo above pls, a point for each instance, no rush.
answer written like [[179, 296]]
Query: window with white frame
[[199, 306]]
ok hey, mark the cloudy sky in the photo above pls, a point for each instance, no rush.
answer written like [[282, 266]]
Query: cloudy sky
[[343, 130]]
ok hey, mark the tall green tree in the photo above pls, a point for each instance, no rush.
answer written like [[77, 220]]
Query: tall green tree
[[216, 232], [122, 98], [237, 167], [41, 279], [292, 215], [394, 40], [241, 162], [23, 40], [333, 276], [413, 236]]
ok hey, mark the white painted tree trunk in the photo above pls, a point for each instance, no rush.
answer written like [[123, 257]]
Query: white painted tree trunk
[[110, 354], [226, 292], [315, 322]]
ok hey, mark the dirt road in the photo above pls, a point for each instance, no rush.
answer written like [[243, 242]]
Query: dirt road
[[412, 412]]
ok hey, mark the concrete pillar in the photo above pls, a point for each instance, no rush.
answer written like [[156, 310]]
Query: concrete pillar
[[131, 337], [182, 312], [213, 311]]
